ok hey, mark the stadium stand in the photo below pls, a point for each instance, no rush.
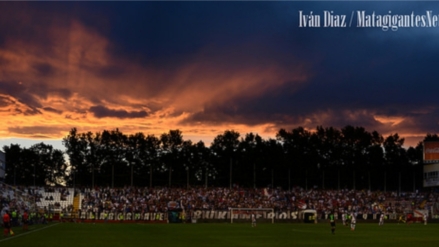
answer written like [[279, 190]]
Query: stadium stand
[[91, 202]]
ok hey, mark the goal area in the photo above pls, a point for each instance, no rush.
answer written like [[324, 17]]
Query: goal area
[[245, 214]]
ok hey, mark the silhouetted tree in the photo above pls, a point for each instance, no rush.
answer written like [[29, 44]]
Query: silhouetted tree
[[225, 150], [171, 146]]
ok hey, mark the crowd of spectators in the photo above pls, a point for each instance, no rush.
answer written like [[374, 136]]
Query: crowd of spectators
[[142, 199], [16, 197], [131, 199]]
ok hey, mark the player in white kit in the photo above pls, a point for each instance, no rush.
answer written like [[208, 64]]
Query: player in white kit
[[353, 221], [381, 220], [343, 218]]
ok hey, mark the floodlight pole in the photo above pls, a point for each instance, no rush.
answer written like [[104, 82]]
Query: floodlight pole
[[132, 169], [34, 175], [231, 167]]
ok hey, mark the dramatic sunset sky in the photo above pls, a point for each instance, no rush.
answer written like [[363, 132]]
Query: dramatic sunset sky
[[207, 67]]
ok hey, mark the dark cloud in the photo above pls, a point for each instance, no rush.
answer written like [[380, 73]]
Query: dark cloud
[[11, 87], [102, 111], [44, 69], [109, 72], [50, 109], [22, 94], [29, 94], [5, 101], [36, 131]]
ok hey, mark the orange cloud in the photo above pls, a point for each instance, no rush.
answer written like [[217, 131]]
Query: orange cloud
[[77, 82], [392, 120]]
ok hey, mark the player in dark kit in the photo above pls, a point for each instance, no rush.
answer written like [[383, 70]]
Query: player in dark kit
[[6, 223], [332, 222], [25, 220]]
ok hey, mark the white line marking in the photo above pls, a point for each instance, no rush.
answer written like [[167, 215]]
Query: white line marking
[[23, 234]]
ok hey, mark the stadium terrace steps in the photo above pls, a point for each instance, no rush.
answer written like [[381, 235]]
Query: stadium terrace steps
[[76, 204], [55, 199]]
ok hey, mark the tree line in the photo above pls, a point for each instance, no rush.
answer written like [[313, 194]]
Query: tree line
[[329, 158]]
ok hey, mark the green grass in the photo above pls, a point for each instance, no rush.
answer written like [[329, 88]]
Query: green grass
[[222, 235]]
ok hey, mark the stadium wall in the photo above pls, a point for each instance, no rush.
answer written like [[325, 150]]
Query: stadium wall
[[222, 215]]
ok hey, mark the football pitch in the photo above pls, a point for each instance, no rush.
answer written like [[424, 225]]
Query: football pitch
[[222, 235]]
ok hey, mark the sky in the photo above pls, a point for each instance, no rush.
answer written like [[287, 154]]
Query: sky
[[206, 67]]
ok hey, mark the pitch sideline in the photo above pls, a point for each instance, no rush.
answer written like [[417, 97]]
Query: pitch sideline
[[26, 233]]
